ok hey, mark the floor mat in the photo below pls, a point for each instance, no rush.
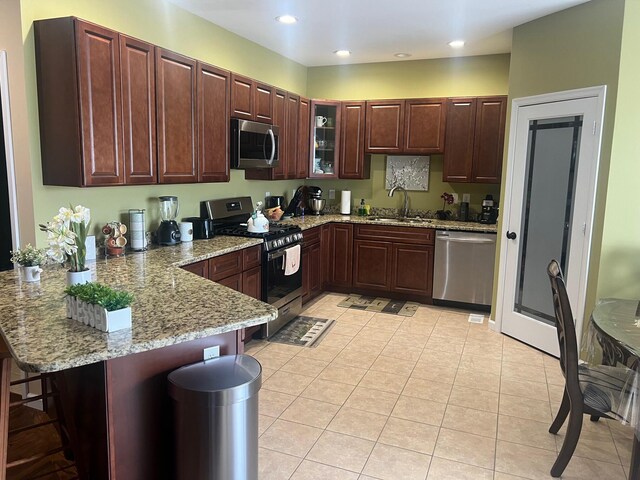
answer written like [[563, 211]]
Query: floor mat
[[380, 305], [303, 331]]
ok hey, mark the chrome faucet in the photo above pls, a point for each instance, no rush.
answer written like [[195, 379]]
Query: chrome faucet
[[405, 209]]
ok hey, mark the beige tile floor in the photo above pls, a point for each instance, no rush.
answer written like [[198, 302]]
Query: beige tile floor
[[424, 397]]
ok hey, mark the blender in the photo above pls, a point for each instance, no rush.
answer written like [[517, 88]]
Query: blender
[[168, 232]]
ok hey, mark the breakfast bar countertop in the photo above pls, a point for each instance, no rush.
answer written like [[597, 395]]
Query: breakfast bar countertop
[[170, 306]]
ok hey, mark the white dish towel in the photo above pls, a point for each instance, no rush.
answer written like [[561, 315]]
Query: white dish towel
[[291, 262]]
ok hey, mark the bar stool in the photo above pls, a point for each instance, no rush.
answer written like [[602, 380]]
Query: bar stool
[[49, 391]]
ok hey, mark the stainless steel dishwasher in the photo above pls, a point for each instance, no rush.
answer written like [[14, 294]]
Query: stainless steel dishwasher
[[463, 267]]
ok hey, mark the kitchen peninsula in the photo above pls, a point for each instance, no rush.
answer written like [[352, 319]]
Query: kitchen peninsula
[[113, 386]]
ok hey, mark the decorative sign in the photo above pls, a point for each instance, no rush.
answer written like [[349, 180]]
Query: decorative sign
[[411, 173]]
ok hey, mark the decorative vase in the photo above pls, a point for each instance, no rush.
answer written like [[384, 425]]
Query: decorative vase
[[31, 273], [76, 278]]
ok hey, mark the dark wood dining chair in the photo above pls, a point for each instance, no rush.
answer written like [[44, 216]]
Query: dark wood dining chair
[[592, 390]]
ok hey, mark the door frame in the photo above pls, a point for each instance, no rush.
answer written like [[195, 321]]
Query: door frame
[[8, 142], [599, 93]]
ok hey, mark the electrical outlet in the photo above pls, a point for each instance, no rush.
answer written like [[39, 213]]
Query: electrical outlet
[[211, 352], [455, 197], [332, 194], [267, 194], [466, 197]]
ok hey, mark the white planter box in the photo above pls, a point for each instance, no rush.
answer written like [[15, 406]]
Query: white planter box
[[97, 317]]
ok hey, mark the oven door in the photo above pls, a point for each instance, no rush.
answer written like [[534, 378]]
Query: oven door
[[279, 289]]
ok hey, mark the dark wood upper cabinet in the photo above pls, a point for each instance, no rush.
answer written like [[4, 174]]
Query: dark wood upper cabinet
[[176, 104], [263, 102], [80, 103], [213, 86], [241, 97], [458, 150], [385, 126], [324, 145], [302, 163], [488, 147], [138, 80], [251, 100], [424, 125], [292, 126], [353, 163], [475, 139]]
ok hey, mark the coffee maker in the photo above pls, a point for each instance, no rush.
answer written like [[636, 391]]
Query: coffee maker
[[489, 214], [168, 232]]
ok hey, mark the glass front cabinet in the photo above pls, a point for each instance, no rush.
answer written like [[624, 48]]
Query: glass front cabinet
[[325, 141]]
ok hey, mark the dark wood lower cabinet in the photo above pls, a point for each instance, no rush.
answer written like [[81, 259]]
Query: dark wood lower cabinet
[[120, 415], [341, 255], [312, 265], [412, 271], [372, 265]]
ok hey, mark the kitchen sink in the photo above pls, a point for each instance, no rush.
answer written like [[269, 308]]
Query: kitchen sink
[[384, 219]]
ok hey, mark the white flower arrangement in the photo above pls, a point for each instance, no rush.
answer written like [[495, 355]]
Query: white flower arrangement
[[66, 236]]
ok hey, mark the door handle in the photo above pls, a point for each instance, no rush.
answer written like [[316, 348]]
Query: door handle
[[511, 235]]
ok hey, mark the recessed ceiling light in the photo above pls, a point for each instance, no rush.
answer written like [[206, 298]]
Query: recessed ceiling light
[[456, 44], [402, 55], [288, 19], [343, 53]]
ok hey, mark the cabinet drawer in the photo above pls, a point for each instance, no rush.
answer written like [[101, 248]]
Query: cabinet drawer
[[251, 257], [225, 265], [311, 236], [416, 235]]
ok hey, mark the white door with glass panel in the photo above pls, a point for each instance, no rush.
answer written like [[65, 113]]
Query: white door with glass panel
[[548, 211]]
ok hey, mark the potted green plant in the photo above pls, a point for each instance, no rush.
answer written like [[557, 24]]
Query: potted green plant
[[99, 306], [66, 235], [30, 259]]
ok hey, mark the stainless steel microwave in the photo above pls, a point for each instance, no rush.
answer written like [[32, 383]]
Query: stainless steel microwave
[[253, 144]]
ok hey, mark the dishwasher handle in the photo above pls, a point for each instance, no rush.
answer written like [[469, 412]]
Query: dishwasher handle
[[464, 240]]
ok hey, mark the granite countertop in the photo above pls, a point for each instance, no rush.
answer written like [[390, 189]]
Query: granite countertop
[[310, 221], [171, 306]]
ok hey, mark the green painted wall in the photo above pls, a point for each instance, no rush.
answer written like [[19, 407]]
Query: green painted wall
[[465, 76], [163, 24], [575, 48], [619, 263]]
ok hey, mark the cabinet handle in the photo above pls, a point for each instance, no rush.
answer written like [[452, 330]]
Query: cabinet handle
[[462, 104]]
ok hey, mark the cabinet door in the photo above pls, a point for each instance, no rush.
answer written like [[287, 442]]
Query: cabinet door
[[326, 252], [252, 283], [372, 265], [302, 156], [325, 139], [412, 269], [234, 282], [138, 80], [176, 103], [424, 124], [213, 123], [488, 143], [305, 262], [225, 265], [458, 150], [98, 58], [341, 251], [199, 268], [280, 119], [263, 98], [291, 139], [241, 97], [385, 126], [352, 158]]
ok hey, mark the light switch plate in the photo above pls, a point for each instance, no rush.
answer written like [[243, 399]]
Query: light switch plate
[[211, 352], [332, 194], [466, 197]]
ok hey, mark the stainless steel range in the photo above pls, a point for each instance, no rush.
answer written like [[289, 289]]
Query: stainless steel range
[[229, 217]]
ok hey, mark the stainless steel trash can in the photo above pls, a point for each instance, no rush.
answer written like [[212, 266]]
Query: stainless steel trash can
[[216, 418]]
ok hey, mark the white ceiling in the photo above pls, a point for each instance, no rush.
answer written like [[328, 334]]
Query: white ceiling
[[374, 30]]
